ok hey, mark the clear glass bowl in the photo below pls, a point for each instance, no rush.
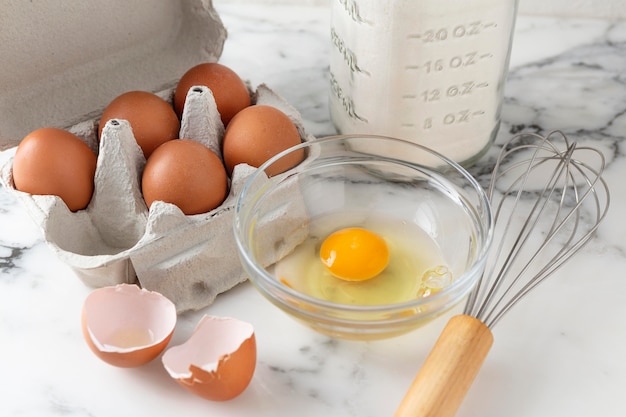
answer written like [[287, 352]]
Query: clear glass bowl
[[362, 175]]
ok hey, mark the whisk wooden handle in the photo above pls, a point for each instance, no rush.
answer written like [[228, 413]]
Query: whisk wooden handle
[[449, 370]]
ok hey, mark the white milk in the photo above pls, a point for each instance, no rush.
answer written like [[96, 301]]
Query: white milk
[[429, 71]]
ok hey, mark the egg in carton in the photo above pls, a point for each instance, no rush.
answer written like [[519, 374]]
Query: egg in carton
[[116, 239]]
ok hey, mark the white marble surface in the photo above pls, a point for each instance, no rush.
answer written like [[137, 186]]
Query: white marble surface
[[558, 353]]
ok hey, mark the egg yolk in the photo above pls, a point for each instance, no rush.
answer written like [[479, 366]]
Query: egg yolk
[[354, 254]]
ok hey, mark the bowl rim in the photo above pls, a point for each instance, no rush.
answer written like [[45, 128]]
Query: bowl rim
[[458, 285]]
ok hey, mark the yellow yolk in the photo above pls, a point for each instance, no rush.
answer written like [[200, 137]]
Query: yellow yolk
[[354, 254]]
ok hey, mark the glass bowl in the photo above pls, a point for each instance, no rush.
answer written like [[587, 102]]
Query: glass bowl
[[372, 182]]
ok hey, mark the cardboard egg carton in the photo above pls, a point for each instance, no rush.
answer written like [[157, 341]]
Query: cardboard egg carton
[[188, 258]]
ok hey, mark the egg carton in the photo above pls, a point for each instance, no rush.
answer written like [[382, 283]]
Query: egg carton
[[61, 65], [117, 239], [188, 258]]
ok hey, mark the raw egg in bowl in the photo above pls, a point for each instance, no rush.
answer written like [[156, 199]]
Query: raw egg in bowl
[[374, 236]]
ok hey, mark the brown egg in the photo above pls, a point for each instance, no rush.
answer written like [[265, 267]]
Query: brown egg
[[185, 173], [217, 362], [230, 92], [127, 326], [51, 161], [256, 134], [152, 119]]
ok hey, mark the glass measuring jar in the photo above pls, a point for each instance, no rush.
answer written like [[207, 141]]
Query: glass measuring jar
[[428, 71]]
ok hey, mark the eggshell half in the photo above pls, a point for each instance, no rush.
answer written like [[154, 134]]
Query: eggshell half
[[127, 326], [217, 362]]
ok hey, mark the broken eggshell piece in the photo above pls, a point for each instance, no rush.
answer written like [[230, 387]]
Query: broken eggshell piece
[[127, 326], [217, 362]]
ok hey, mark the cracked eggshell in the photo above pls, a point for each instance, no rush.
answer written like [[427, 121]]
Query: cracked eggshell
[[218, 361], [126, 326]]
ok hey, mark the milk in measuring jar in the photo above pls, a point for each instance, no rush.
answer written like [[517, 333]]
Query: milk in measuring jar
[[429, 71]]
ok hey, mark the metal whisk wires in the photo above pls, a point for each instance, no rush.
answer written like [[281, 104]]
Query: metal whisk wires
[[548, 199]]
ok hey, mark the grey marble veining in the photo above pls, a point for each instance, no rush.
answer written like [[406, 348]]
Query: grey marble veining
[[558, 353]]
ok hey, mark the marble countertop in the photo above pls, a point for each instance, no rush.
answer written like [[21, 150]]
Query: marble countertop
[[559, 352]]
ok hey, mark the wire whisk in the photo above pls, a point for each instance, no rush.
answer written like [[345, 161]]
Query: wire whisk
[[547, 200], [548, 197]]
